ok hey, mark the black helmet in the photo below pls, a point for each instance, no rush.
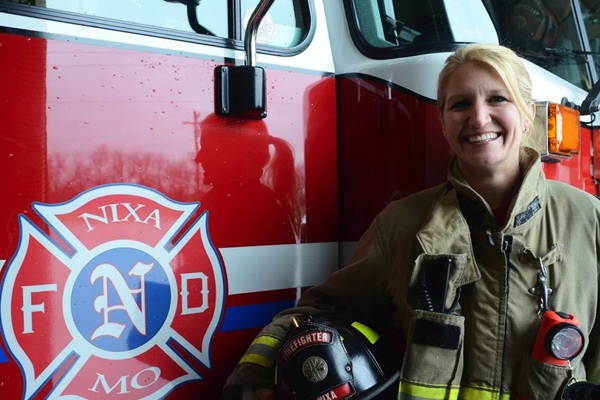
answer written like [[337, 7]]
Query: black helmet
[[332, 356]]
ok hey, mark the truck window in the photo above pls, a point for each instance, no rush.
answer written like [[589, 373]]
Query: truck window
[[383, 25], [562, 37], [286, 24], [552, 35]]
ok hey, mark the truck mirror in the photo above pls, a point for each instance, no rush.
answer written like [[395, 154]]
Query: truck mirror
[[241, 90]]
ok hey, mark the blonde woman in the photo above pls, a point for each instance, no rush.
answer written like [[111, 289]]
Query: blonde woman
[[519, 247]]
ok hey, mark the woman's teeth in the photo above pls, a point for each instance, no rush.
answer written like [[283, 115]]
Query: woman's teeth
[[481, 138]]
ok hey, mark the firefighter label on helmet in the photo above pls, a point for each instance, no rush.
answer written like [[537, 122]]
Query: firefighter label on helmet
[[332, 356]]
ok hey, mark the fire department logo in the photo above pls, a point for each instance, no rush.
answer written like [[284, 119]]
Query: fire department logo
[[115, 298]]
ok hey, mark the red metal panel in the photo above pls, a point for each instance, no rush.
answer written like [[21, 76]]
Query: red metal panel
[[391, 145], [76, 117]]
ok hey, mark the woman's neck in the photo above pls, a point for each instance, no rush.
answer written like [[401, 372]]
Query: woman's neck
[[497, 188]]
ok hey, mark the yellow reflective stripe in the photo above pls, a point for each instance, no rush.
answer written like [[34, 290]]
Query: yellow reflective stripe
[[369, 333], [259, 359], [266, 340], [467, 393], [415, 391], [261, 351]]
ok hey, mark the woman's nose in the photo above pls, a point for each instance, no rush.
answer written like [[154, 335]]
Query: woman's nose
[[480, 114]]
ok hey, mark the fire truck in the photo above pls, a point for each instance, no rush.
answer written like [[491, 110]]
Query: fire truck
[[176, 172]]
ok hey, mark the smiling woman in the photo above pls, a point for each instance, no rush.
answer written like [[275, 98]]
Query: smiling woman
[[484, 114], [476, 244]]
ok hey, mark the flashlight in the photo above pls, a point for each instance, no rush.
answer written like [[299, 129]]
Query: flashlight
[[559, 338]]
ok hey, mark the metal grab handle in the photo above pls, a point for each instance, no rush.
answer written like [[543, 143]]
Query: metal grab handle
[[250, 38]]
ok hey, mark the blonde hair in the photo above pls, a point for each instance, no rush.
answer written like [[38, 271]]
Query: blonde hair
[[499, 58]]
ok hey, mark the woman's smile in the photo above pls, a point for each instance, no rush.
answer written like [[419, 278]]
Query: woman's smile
[[482, 137]]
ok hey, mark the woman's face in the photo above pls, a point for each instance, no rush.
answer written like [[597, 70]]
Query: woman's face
[[481, 121]]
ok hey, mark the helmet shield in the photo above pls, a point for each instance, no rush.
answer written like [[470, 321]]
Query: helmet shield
[[332, 356]]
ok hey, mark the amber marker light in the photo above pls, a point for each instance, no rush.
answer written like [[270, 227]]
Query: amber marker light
[[563, 130]]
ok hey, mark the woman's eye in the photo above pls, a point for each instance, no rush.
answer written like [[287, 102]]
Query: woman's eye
[[498, 99], [458, 105]]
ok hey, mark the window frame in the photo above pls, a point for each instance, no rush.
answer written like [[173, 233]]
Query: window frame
[[234, 12], [382, 53]]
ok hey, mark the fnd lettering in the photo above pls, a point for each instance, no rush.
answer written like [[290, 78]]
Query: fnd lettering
[[137, 313], [124, 384], [121, 298], [121, 212], [185, 279], [29, 308]]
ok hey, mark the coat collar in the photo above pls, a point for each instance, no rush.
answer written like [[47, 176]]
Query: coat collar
[[523, 207], [446, 230]]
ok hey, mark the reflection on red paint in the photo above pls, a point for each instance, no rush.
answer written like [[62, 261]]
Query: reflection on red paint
[[252, 183]]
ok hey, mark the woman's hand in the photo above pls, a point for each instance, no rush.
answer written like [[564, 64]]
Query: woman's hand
[[250, 393], [264, 394]]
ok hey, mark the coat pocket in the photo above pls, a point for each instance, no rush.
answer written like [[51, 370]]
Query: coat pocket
[[542, 381], [433, 362]]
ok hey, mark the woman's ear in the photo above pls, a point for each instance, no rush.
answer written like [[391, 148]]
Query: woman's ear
[[526, 124], [533, 108]]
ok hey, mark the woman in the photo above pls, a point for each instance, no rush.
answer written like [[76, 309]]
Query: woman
[[517, 245]]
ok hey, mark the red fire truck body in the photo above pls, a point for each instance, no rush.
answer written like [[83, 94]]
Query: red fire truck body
[[147, 234]]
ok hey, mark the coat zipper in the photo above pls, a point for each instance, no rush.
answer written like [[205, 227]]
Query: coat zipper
[[506, 249]]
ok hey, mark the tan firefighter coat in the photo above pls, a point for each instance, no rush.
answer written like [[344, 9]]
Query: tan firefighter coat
[[480, 349]]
